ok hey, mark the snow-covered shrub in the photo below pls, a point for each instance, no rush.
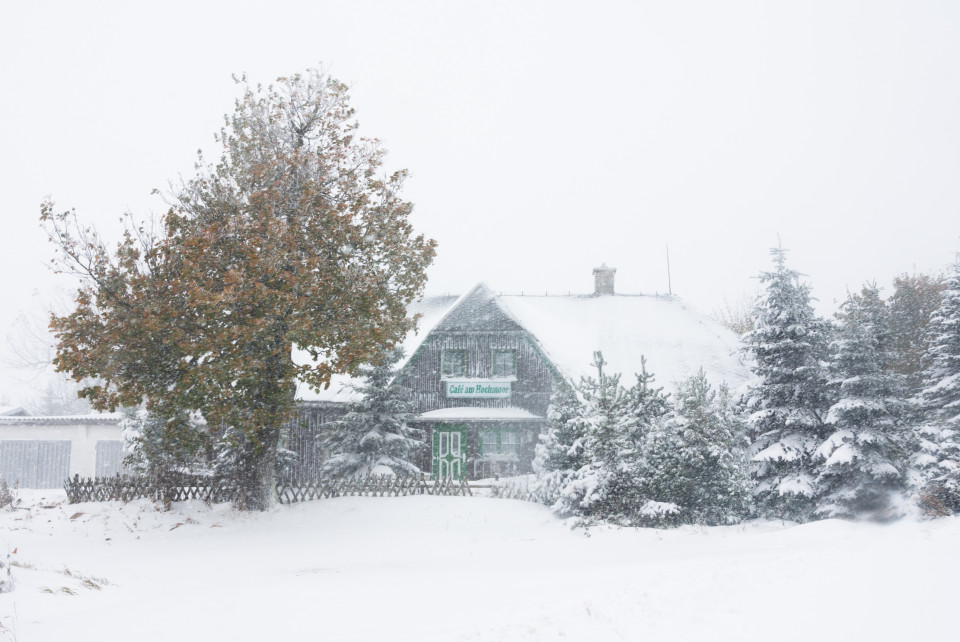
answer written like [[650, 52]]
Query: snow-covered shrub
[[6, 495], [6, 575], [941, 497], [693, 460]]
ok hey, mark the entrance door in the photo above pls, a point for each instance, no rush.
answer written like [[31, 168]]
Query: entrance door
[[449, 451]]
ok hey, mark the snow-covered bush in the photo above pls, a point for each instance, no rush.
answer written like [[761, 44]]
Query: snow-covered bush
[[6, 495], [693, 460]]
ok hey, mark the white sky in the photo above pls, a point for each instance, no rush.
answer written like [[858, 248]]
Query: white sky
[[543, 138]]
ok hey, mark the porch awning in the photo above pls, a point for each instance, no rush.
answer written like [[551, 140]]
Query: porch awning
[[468, 413]]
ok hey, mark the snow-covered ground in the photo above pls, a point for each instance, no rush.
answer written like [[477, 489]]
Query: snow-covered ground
[[461, 568]]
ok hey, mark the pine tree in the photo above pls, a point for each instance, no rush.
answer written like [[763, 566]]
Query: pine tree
[[940, 399], [606, 485], [788, 406], [598, 443], [561, 449], [863, 463], [694, 459], [375, 436]]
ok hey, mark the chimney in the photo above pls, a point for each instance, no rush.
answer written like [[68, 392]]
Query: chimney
[[603, 280]]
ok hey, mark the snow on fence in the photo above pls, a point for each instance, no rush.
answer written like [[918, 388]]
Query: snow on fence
[[178, 488], [289, 492], [181, 487], [513, 489]]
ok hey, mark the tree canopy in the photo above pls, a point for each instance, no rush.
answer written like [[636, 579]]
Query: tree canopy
[[294, 238]]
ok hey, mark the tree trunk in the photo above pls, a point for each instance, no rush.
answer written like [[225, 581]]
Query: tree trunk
[[257, 475]]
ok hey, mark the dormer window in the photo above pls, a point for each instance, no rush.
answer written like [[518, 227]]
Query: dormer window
[[504, 364], [453, 364]]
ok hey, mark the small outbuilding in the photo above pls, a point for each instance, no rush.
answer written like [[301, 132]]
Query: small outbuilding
[[42, 452]]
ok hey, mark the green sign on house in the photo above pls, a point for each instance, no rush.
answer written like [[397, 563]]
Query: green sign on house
[[477, 388]]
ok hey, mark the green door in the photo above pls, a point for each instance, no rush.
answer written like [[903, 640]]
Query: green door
[[449, 451]]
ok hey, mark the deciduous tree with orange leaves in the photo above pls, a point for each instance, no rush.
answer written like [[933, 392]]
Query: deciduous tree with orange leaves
[[295, 237]]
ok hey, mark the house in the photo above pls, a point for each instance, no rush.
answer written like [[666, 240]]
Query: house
[[483, 366], [41, 452]]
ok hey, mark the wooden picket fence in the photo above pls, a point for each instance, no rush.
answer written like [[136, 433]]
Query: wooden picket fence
[[289, 492], [513, 490], [178, 488], [125, 488]]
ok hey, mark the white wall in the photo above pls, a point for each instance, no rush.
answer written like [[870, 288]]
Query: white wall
[[82, 433]]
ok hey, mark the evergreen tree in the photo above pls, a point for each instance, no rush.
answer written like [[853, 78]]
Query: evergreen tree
[[607, 485], [940, 399], [914, 300], [788, 406], [694, 459], [158, 446], [561, 450], [593, 458], [375, 436], [863, 462]]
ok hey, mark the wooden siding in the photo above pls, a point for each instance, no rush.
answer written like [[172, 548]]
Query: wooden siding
[[531, 390], [304, 436]]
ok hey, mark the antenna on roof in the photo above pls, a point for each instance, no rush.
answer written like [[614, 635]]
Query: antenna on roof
[[669, 285]]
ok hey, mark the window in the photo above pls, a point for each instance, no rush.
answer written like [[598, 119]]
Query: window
[[499, 442], [504, 363], [453, 363], [489, 442]]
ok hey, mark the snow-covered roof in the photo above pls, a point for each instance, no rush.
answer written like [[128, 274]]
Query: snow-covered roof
[[479, 414], [675, 338], [92, 418], [12, 411]]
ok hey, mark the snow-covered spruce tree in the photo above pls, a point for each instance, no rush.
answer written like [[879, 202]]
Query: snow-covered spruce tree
[[694, 460], [605, 488], [863, 463], [605, 434], [940, 400], [375, 436], [561, 450], [788, 407], [295, 237]]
